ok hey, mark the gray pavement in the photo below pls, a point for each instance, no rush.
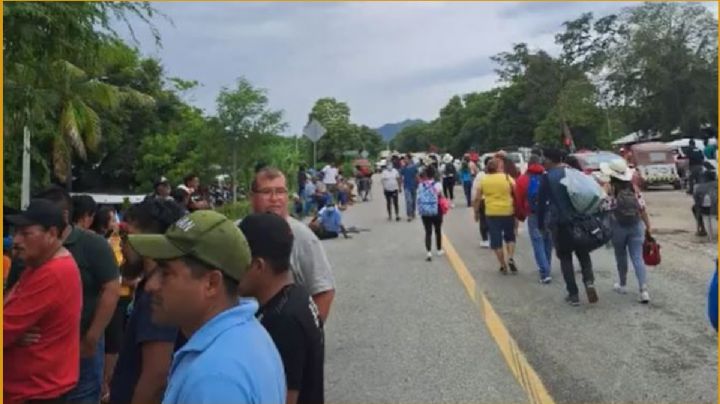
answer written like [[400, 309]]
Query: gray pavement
[[402, 330], [616, 351]]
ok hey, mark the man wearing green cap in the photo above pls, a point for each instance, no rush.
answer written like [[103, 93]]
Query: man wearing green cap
[[229, 357]]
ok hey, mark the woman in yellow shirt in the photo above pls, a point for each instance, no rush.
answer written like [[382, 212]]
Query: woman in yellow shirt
[[497, 189]]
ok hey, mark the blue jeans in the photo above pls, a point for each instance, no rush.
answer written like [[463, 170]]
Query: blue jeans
[[410, 195], [630, 240], [467, 187], [87, 389], [542, 246]]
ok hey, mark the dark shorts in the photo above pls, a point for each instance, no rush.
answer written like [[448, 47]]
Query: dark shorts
[[501, 228]]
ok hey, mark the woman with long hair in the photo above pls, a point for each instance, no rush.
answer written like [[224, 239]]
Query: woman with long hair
[[428, 194], [630, 225]]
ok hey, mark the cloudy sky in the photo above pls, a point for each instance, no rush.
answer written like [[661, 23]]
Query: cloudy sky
[[388, 61]]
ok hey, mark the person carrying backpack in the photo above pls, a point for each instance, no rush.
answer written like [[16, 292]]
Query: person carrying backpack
[[429, 194], [557, 211], [527, 194], [466, 177], [630, 225], [696, 157]]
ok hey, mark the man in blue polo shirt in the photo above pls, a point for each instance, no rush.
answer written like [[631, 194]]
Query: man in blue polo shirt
[[409, 175], [229, 357]]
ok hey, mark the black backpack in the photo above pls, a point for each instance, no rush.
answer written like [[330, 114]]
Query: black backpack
[[450, 169], [627, 208]]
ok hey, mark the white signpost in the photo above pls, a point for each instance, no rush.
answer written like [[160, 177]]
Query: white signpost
[[314, 131]]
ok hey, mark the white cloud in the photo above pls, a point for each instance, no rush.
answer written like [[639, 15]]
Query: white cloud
[[388, 61]]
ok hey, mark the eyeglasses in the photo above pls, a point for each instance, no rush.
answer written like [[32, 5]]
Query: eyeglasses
[[272, 192]]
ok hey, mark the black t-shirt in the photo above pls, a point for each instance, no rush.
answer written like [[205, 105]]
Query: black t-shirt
[[291, 318]]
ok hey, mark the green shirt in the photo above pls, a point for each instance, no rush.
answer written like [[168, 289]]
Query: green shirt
[[96, 261]]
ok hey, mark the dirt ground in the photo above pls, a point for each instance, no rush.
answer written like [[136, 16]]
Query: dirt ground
[[674, 227]]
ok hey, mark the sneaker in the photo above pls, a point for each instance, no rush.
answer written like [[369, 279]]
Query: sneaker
[[644, 296], [503, 270], [573, 300], [409, 219], [511, 264], [397, 219], [440, 253], [591, 293], [428, 257], [619, 288], [546, 280], [485, 244]]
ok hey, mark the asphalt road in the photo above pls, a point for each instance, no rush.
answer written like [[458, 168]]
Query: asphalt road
[[403, 330]]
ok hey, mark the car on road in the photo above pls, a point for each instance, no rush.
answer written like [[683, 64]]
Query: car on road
[[654, 165], [590, 161]]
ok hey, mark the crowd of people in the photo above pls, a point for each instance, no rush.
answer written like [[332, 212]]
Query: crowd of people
[[173, 302], [213, 310]]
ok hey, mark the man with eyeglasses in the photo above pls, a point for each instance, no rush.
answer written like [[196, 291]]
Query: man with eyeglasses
[[308, 260]]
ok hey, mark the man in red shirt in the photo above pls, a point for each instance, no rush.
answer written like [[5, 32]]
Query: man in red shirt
[[41, 313]]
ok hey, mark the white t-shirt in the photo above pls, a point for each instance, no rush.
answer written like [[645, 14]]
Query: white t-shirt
[[330, 177], [389, 180]]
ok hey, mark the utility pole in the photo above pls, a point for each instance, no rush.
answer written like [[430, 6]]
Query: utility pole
[[25, 186]]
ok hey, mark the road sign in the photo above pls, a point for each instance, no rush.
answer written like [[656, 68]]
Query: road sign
[[314, 131]]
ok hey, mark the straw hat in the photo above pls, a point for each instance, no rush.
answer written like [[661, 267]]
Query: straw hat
[[617, 168]]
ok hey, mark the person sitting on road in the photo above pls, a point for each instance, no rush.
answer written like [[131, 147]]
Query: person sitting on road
[[327, 224], [287, 311]]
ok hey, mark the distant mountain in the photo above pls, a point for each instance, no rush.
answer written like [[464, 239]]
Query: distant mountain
[[389, 130]]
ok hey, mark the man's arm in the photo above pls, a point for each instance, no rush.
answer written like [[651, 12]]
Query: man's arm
[[543, 196], [156, 359], [103, 314], [107, 274], [27, 307], [323, 301]]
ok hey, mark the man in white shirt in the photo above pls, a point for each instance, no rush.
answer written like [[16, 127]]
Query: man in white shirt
[[392, 186], [330, 177]]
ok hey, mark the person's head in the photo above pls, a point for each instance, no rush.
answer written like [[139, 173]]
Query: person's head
[[691, 143], [492, 166], [487, 161], [271, 240], [162, 187], [61, 198], [269, 192], [105, 222], [553, 157], [192, 181], [152, 216], [37, 231], [201, 259], [573, 162], [84, 208], [534, 160], [429, 172]]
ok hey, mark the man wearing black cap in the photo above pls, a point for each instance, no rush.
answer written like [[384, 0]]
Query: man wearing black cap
[[41, 316], [286, 311], [100, 293]]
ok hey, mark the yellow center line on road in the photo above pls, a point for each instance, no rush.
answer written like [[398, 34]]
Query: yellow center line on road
[[515, 359]]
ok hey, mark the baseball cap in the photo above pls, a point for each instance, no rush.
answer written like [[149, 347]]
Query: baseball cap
[[161, 180], [40, 211], [268, 235], [204, 235]]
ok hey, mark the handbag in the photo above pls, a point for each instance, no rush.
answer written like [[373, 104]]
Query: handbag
[[589, 232], [651, 251], [443, 205]]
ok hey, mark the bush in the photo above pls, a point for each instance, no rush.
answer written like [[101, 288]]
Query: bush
[[235, 211]]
